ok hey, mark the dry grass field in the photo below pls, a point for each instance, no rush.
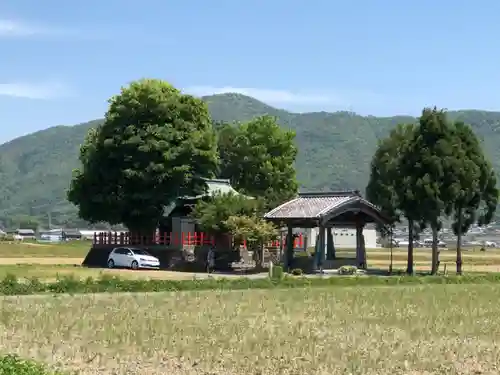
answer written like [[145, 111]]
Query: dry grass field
[[415, 330], [438, 329]]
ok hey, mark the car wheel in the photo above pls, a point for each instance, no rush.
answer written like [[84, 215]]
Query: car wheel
[[111, 263], [134, 265]]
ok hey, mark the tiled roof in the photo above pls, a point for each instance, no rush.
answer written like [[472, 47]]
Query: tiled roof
[[315, 205], [214, 186], [219, 186]]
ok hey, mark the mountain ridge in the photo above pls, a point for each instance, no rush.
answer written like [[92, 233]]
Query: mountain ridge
[[335, 149]]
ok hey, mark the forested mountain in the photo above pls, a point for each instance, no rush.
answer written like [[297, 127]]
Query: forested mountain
[[335, 150]]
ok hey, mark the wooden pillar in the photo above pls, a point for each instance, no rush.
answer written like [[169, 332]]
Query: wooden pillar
[[306, 243], [289, 249], [360, 245], [320, 249], [330, 245]]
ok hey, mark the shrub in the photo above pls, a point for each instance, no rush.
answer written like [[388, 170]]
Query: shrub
[[277, 273], [297, 272], [6, 238], [10, 285], [13, 365], [348, 270]]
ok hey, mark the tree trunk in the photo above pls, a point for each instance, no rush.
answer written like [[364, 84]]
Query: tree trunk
[[261, 256], [409, 267], [459, 242], [435, 251]]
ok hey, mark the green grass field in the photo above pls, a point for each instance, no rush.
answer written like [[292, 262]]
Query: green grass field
[[438, 329]]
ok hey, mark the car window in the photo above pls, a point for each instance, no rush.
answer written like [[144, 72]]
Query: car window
[[121, 250], [139, 252]]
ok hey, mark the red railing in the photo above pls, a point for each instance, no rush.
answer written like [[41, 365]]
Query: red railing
[[176, 239], [173, 238], [298, 242]]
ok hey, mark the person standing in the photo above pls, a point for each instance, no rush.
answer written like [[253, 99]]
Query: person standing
[[210, 259]]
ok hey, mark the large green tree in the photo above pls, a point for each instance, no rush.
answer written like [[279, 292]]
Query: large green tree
[[432, 174], [475, 193], [259, 158], [153, 146], [390, 185]]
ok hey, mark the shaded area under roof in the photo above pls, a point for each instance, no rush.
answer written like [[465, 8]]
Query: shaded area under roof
[[312, 209]]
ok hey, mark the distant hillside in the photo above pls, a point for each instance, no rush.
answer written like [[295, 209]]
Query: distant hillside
[[335, 152]]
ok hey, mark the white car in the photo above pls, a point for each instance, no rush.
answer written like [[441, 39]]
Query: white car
[[133, 258]]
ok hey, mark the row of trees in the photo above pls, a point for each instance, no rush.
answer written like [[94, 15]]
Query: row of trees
[[429, 171], [157, 144]]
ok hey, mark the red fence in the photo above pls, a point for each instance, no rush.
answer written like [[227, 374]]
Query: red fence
[[298, 242], [176, 239], [172, 238]]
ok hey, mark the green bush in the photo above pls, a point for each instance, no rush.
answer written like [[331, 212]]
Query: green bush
[[277, 273], [297, 272], [6, 238], [13, 365], [10, 285], [348, 270]]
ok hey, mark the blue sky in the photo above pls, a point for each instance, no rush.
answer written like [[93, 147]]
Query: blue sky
[[60, 60]]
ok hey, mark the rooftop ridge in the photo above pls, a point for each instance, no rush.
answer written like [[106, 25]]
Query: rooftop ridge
[[319, 194], [217, 180]]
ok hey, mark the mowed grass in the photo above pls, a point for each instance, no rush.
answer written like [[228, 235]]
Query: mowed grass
[[438, 329], [25, 249]]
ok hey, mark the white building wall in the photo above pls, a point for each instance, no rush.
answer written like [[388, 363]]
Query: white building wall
[[344, 238]]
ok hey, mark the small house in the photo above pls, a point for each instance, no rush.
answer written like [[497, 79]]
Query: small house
[[88, 234], [50, 235], [25, 234], [71, 234]]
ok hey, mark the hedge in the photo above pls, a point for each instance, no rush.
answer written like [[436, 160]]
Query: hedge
[[10, 285], [13, 365]]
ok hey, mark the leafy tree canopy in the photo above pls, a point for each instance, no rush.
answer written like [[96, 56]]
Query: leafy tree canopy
[[153, 146], [212, 213], [391, 181], [384, 187], [254, 229], [258, 157], [475, 194]]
